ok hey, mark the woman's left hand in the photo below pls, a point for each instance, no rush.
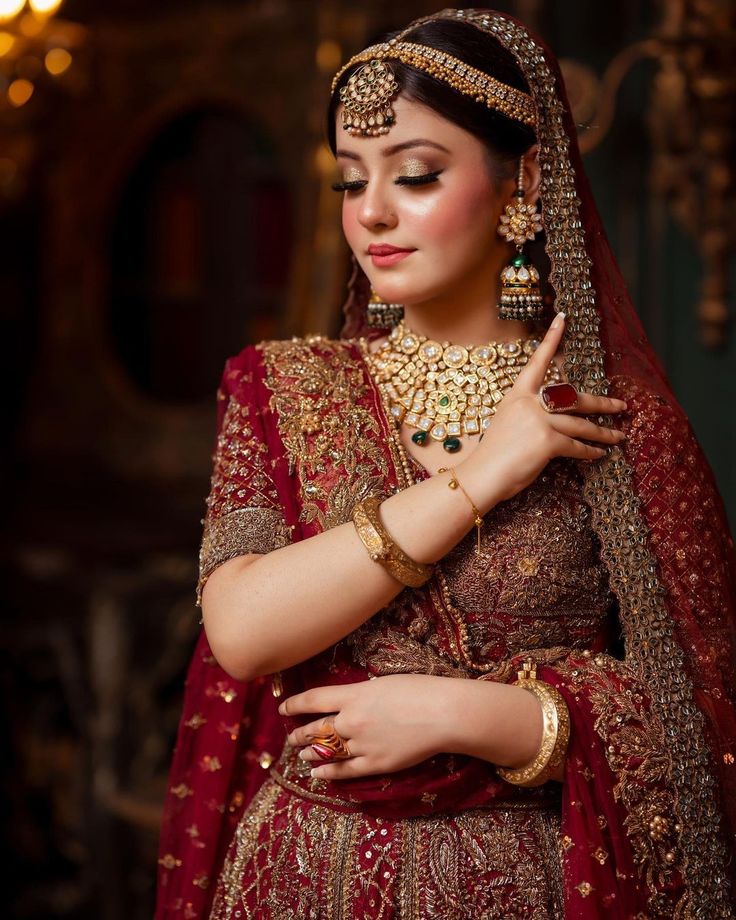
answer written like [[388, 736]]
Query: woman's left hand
[[389, 723]]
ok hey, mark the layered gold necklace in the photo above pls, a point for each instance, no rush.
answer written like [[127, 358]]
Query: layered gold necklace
[[443, 390]]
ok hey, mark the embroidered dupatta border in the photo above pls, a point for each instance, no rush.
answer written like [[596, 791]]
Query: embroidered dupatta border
[[648, 631]]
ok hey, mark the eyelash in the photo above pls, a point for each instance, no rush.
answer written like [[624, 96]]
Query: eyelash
[[402, 180]]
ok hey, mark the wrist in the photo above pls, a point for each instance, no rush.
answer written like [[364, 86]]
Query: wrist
[[480, 480], [496, 722]]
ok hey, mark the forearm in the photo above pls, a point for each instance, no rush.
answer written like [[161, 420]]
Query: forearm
[[267, 614], [496, 722]]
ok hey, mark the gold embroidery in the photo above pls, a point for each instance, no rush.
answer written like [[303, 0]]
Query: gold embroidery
[[292, 858], [247, 530], [244, 513], [332, 439], [636, 749], [538, 573]]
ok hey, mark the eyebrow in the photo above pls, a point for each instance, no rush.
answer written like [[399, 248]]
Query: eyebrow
[[397, 148]]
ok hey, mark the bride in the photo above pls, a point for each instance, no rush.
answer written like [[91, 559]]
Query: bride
[[466, 579]]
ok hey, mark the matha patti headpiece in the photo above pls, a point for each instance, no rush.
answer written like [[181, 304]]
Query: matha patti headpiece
[[367, 96]]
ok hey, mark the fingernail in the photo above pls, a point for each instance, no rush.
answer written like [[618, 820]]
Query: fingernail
[[557, 321]]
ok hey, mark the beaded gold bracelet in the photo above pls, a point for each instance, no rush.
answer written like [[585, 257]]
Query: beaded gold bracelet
[[555, 734], [383, 549], [454, 483]]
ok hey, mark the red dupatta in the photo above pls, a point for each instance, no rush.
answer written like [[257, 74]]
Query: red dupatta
[[649, 795]]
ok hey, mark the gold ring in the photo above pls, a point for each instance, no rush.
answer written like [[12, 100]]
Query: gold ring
[[329, 745]]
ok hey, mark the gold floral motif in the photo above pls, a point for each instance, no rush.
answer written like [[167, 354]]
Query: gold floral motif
[[292, 858], [636, 749], [244, 513], [331, 437], [560, 597]]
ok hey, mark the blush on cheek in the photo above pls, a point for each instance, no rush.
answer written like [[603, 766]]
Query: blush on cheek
[[460, 213]]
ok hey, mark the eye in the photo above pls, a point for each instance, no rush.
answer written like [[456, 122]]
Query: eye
[[419, 180], [348, 186]]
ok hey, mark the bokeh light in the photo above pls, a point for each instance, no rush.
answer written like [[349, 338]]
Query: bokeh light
[[7, 43], [44, 7], [10, 8], [57, 60], [19, 92]]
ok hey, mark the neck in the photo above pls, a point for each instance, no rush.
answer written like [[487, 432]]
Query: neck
[[476, 326], [468, 316]]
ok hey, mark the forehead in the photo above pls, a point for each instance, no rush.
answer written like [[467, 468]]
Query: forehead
[[414, 122]]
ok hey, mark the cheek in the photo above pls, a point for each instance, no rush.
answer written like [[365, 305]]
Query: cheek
[[351, 226], [461, 214]]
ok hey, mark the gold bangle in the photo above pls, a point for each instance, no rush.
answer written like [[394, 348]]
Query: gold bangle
[[454, 483], [555, 734], [383, 549]]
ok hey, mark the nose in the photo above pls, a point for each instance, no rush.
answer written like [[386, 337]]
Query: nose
[[375, 210]]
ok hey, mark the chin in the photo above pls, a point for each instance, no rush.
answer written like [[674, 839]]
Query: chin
[[404, 291]]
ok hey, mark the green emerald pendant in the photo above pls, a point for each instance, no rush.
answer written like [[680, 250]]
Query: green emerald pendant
[[419, 437], [451, 444]]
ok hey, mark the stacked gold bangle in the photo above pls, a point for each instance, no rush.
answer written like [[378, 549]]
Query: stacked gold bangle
[[555, 734], [383, 549]]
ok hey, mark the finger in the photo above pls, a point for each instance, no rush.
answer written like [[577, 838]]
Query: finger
[[318, 699], [305, 734], [580, 428], [573, 448], [598, 405], [343, 769], [533, 372], [310, 755]]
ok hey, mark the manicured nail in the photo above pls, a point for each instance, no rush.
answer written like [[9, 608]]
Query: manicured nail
[[558, 320]]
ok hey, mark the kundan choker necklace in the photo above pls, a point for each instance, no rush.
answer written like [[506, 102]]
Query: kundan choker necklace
[[447, 391]]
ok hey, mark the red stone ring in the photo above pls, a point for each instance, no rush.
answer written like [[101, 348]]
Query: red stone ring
[[558, 397]]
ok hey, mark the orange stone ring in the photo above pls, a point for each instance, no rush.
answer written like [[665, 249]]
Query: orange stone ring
[[329, 745], [558, 397]]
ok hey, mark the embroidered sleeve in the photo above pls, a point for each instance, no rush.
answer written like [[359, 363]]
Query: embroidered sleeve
[[244, 512], [619, 835]]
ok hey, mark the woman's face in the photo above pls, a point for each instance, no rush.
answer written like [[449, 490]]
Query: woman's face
[[449, 223]]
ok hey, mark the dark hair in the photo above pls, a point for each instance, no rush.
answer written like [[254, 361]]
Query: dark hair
[[504, 138]]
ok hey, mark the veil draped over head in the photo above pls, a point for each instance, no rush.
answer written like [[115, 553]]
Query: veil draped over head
[[655, 507]]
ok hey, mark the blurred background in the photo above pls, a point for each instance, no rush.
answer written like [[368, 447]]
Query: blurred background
[[164, 200]]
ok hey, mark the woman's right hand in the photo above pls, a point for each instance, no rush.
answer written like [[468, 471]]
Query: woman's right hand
[[523, 437]]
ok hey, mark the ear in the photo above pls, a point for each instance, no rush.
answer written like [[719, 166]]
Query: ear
[[532, 175]]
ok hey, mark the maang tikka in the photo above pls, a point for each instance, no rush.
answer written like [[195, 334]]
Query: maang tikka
[[521, 297]]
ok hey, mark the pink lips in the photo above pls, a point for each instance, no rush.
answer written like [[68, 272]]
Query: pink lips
[[387, 255]]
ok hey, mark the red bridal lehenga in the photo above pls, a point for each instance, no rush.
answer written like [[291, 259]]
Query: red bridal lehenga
[[618, 577]]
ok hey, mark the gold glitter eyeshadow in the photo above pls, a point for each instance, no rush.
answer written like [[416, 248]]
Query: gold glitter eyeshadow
[[414, 167], [352, 175]]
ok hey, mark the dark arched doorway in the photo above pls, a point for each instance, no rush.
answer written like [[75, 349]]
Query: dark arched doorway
[[199, 251]]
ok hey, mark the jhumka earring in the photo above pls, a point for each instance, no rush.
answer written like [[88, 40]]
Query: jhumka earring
[[383, 315], [520, 293]]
